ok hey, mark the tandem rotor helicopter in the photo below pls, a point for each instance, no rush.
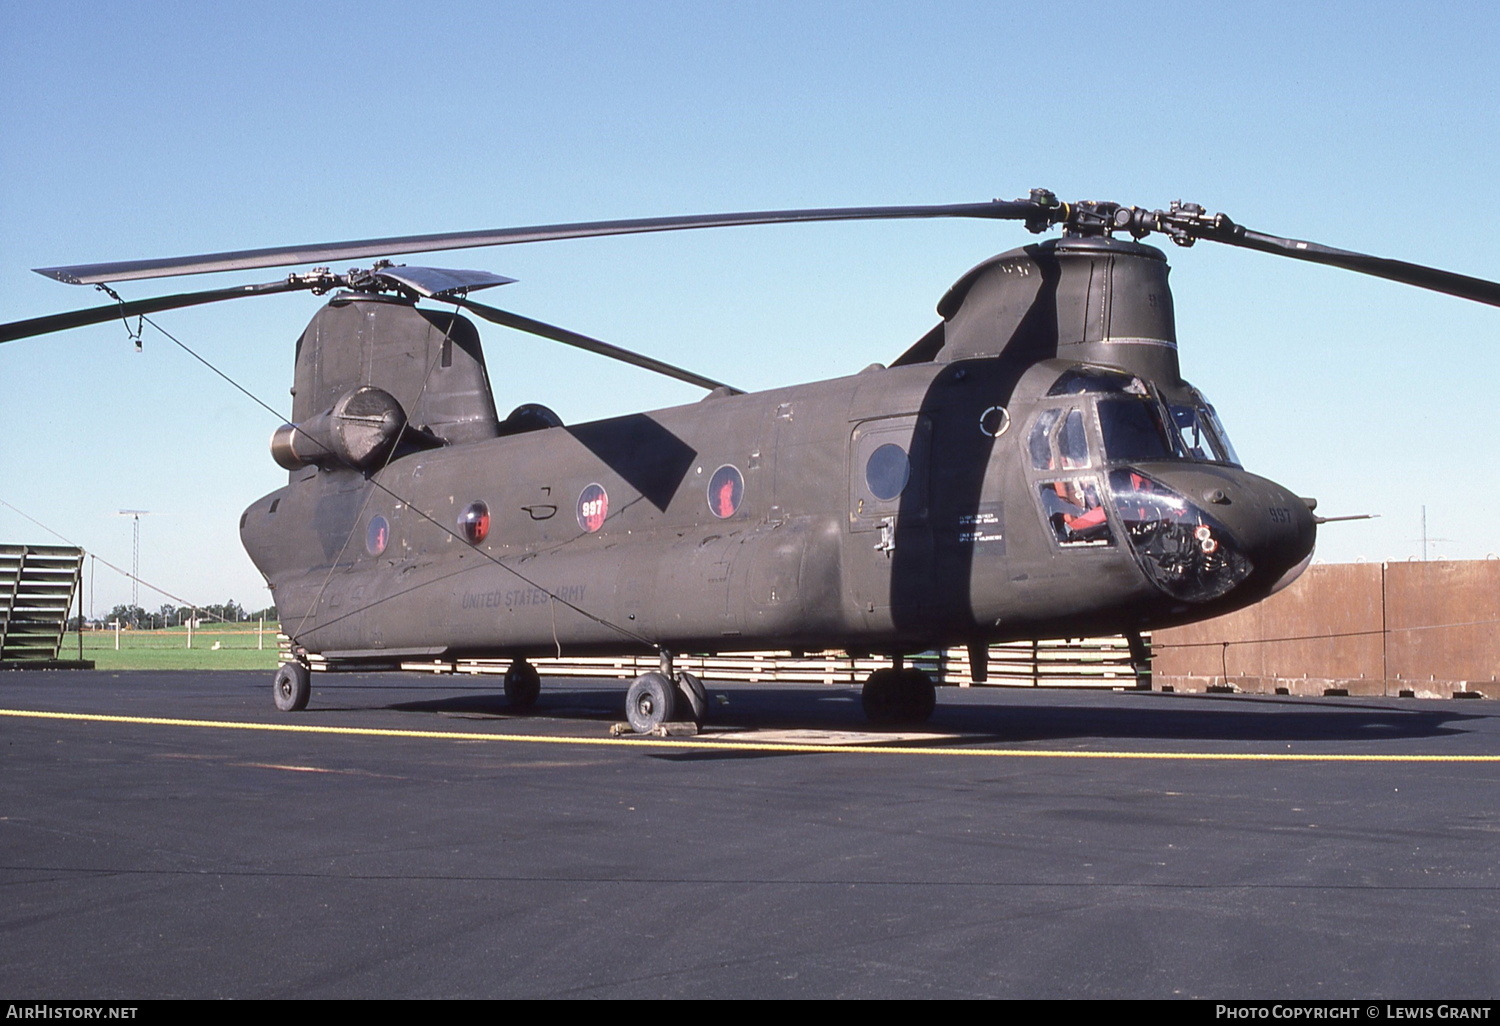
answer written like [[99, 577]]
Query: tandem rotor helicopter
[[1034, 466]]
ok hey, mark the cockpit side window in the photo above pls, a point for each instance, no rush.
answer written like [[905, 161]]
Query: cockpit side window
[[1071, 503], [1074, 512], [1040, 441], [1202, 434], [1217, 427], [1196, 436], [1065, 446], [1073, 441]]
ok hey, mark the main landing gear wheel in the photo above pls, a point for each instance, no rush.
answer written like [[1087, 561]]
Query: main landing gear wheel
[[292, 687], [905, 696], [692, 698], [522, 685], [650, 702]]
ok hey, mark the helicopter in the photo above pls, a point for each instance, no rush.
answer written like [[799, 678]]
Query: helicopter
[[1035, 466]]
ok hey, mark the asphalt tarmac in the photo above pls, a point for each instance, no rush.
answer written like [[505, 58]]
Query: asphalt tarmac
[[169, 837]]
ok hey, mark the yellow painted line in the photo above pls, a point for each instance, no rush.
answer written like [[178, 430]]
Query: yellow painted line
[[740, 746]]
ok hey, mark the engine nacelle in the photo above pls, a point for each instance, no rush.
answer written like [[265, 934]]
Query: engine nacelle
[[358, 431]]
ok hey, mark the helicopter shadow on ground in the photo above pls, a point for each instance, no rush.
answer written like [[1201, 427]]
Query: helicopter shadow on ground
[[1230, 718], [971, 720], [603, 706]]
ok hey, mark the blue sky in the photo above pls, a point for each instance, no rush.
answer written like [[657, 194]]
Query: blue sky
[[156, 129]]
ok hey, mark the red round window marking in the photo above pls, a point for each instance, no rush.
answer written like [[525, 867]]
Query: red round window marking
[[725, 490], [474, 522], [593, 508]]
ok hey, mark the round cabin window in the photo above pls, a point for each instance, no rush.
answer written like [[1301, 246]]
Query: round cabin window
[[887, 471], [377, 535], [725, 490]]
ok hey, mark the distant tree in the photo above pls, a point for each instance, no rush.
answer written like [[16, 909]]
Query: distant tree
[[224, 612], [127, 616]]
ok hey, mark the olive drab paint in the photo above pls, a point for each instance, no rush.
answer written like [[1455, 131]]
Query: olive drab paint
[[891, 511]]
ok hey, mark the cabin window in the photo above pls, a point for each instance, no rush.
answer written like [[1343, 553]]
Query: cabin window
[[377, 535], [725, 491], [887, 471]]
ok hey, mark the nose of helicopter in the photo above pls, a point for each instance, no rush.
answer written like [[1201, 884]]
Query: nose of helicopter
[[1202, 532], [1275, 526]]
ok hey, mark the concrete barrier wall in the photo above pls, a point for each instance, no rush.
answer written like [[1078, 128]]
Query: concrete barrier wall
[[1426, 629]]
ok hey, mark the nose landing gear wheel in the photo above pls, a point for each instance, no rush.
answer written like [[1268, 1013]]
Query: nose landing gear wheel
[[522, 685], [650, 702], [292, 687]]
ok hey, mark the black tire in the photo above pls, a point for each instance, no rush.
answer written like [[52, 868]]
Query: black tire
[[292, 687], [650, 702], [692, 698], [881, 697], [522, 685], [918, 697]]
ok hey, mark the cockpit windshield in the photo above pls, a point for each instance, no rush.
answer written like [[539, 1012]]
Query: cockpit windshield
[[1135, 421], [1134, 430]]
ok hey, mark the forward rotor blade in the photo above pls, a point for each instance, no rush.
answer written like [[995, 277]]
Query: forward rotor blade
[[322, 253], [1448, 282], [1188, 222], [592, 345], [112, 311]]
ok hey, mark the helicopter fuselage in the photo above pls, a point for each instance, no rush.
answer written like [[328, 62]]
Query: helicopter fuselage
[[894, 510]]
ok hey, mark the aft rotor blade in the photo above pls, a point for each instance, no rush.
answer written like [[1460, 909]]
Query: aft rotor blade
[[323, 253], [592, 345], [1461, 285], [117, 310]]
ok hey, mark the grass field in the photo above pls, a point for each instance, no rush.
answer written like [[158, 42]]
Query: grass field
[[221, 647]]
